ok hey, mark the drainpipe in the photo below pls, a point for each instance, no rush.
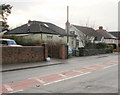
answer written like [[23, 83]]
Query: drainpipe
[[41, 32]]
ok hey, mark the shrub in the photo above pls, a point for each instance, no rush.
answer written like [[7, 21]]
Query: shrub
[[90, 46], [95, 46], [101, 45], [112, 46], [29, 42], [24, 41], [119, 45]]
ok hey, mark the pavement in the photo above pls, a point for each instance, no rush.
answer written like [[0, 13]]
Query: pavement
[[20, 66]]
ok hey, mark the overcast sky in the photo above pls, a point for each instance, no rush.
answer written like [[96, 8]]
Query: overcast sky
[[93, 13]]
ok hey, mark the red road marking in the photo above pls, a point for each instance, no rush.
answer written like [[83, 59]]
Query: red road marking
[[4, 90], [96, 67], [50, 78], [28, 83], [70, 73], [84, 70], [102, 65], [41, 80]]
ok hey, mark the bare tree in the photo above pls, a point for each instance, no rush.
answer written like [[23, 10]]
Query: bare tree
[[90, 23], [5, 10]]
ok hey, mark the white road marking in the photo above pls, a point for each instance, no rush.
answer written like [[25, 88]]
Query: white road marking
[[41, 81], [91, 68], [109, 66], [16, 91], [77, 71], [32, 78], [62, 75], [66, 78], [8, 87]]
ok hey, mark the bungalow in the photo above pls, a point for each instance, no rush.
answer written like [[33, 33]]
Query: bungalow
[[107, 37], [117, 35], [37, 30], [88, 34], [85, 35]]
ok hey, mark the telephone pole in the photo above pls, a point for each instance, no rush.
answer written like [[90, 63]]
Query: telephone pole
[[67, 25]]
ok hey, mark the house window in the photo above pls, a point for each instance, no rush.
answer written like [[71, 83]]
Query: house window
[[0, 23], [72, 42], [77, 42], [49, 37], [46, 25], [72, 32]]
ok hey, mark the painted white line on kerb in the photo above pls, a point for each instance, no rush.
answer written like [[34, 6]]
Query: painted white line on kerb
[[41, 81], [8, 87], [16, 91], [109, 66], [66, 78], [62, 75]]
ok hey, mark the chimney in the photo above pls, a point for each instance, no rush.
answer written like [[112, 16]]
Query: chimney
[[29, 21], [100, 28]]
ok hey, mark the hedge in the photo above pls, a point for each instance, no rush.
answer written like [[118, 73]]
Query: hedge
[[88, 52]]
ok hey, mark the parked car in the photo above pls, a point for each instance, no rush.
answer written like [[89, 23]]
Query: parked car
[[8, 42]]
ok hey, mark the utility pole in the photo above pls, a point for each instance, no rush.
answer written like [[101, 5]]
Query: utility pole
[[67, 26]]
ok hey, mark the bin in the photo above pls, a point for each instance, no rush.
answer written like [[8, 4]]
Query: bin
[[77, 53], [73, 52]]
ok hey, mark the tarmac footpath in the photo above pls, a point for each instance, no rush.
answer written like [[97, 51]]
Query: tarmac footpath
[[21, 66]]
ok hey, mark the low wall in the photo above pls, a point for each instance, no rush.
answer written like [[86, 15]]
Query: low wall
[[88, 52], [58, 51], [23, 54], [53, 51], [63, 52], [117, 50]]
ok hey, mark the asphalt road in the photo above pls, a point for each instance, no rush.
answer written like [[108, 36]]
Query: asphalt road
[[104, 80]]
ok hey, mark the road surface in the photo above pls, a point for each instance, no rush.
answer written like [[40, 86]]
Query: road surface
[[92, 74]]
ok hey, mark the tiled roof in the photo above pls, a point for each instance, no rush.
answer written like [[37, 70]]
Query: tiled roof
[[38, 27], [116, 34], [105, 34], [89, 31]]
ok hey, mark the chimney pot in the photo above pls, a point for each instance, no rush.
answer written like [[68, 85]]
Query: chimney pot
[[100, 28], [29, 21]]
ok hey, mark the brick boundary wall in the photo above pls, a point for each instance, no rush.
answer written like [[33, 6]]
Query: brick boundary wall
[[45, 50], [23, 54], [116, 50], [63, 54], [53, 51], [58, 51]]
